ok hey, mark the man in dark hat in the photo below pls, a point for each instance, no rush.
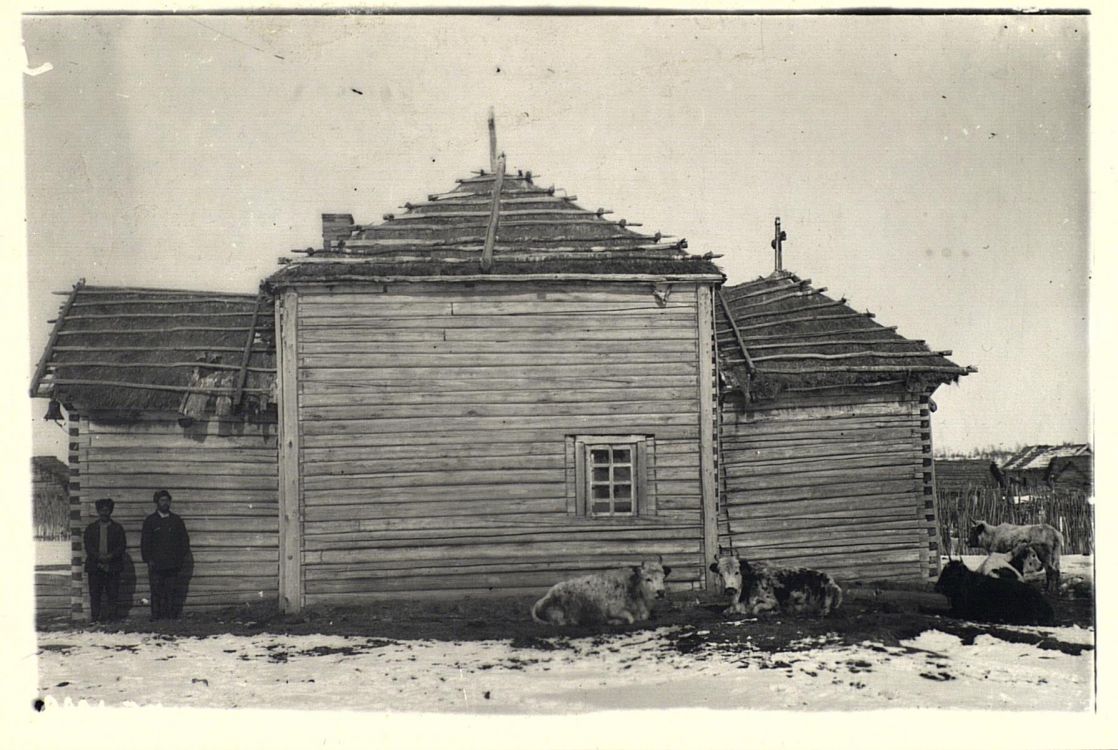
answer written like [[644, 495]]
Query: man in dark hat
[[164, 545], [104, 561]]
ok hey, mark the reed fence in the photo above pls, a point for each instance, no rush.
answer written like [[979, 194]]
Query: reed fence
[[1070, 511]]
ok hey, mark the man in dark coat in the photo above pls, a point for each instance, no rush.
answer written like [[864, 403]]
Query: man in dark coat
[[164, 545], [104, 561]]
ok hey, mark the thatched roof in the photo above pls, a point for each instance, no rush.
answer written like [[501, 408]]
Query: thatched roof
[[539, 231], [779, 334], [147, 350]]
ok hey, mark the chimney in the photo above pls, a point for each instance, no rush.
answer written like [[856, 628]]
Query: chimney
[[335, 227]]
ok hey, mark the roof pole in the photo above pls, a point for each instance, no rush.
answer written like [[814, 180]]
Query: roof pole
[[494, 214], [492, 142]]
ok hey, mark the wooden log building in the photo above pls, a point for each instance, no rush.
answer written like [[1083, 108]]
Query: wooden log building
[[171, 390], [490, 391], [825, 432]]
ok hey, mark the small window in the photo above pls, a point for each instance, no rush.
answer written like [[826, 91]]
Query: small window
[[611, 476]]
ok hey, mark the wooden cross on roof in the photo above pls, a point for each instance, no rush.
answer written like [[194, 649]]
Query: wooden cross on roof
[[778, 246]]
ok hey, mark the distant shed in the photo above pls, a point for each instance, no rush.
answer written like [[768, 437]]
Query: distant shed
[[173, 390], [488, 392], [1068, 466], [826, 441]]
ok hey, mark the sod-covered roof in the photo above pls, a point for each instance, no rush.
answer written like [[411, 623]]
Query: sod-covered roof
[[538, 231], [778, 334], [148, 350]]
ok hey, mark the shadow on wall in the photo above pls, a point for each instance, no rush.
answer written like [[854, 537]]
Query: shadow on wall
[[129, 605]]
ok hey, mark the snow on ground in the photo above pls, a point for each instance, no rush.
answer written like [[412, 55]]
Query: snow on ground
[[624, 671]]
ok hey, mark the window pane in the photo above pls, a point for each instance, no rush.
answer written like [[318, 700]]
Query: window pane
[[621, 455], [621, 473], [600, 456], [600, 491], [601, 474], [623, 507], [621, 491], [600, 508]]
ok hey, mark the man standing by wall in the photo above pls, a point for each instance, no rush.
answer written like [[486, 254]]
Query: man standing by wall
[[104, 560], [164, 545]]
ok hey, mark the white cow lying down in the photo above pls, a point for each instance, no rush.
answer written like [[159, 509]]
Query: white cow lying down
[[617, 596]]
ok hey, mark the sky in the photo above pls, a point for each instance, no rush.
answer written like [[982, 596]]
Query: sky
[[933, 170]]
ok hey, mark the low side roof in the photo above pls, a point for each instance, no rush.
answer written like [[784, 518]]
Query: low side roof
[[540, 231], [130, 349], [778, 333]]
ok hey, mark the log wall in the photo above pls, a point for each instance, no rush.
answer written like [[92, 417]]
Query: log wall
[[837, 484], [222, 477], [435, 424]]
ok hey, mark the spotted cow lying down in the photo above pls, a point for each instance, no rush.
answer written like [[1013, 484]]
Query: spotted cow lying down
[[1015, 564], [758, 587], [625, 595], [974, 596]]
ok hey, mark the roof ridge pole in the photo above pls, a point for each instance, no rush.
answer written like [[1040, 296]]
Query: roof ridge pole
[[494, 215], [493, 142]]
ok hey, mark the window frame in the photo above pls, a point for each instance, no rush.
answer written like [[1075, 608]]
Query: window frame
[[641, 495]]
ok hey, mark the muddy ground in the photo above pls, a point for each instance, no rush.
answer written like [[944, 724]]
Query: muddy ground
[[882, 613]]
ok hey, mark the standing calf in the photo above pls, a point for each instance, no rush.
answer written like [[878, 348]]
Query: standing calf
[[617, 596], [978, 597], [1004, 537]]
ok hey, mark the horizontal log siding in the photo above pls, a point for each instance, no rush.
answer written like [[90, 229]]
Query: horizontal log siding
[[836, 485], [223, 478], [434, 421]]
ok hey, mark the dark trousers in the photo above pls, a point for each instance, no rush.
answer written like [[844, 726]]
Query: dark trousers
[[104, 590], [164, 590]]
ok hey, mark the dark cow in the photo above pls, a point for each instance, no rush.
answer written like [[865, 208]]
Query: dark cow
[[759, 587], [1005, 537], [974, 596], [617, 596]]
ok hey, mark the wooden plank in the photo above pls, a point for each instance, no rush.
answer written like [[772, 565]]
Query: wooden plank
[[542, 550], [173, 482], [495, 327], [707, 446], [823, 467], [778, 456], [436, 345], [837, 477], [605, 537], [851, 490], [291, 520], [501, 386], [398, 507], [542, 397], [167, 465], [357, 375], [513, 433], [355, 466], [497, 496], [500, 411], [647, 423], [823, 507], [622, 354], [419, 481], [402, 294]]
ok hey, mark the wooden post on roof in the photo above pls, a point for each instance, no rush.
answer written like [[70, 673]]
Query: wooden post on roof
[[494, 215], [41, 368], [493, 142], [778, 246], [239, 389]]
